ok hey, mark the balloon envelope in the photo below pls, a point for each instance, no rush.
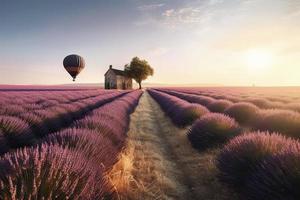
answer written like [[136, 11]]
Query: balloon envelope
[[74, 64]]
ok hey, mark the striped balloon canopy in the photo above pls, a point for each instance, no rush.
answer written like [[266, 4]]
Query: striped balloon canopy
[[74, 64]]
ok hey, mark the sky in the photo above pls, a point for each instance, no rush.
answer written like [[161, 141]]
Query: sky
[[210, 42]]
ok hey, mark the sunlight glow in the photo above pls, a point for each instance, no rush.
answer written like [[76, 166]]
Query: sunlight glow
[[258, 59]]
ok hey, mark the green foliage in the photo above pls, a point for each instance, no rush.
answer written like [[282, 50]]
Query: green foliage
[[139, 70]]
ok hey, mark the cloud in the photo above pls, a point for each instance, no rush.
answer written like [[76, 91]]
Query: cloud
[[149, 7], [215, 2], [159, 51], [184, 15], [168, 13], [181, 14]]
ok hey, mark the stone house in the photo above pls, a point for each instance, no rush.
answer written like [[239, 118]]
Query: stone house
[[117, 79]]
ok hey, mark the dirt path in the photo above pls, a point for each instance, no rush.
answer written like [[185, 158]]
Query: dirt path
[[159, 162]]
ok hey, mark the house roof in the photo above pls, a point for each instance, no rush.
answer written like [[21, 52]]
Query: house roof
[[117, 72]]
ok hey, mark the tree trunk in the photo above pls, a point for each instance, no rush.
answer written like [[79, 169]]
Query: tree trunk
[[140, 85]]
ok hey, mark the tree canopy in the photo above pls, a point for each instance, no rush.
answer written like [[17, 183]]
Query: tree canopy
[[139, 70]]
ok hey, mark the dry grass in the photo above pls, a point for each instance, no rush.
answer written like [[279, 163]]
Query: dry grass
[[159, 162], [140, 177]]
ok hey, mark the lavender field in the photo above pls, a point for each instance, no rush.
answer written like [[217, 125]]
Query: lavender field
[[159, 143], [59, 143], [150, 100], [256, 132]]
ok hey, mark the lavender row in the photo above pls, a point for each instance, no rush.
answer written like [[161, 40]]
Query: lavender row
[[207, 130], [27, 128], [112, 119], [244, 113], [261, 165], [263, 103], [280, 95], [32, 88], [181, 112], [71, 164], [20, 102], [257, 165], [275, 120]]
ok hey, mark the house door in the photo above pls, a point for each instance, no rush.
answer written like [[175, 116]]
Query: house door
[[106, 85]]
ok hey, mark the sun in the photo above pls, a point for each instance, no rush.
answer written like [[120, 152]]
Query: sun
[[258, 59]]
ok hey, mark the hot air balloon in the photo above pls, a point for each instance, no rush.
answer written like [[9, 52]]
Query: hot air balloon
[[74, 64]]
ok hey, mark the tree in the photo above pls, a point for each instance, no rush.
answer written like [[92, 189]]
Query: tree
[[139, 70]]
